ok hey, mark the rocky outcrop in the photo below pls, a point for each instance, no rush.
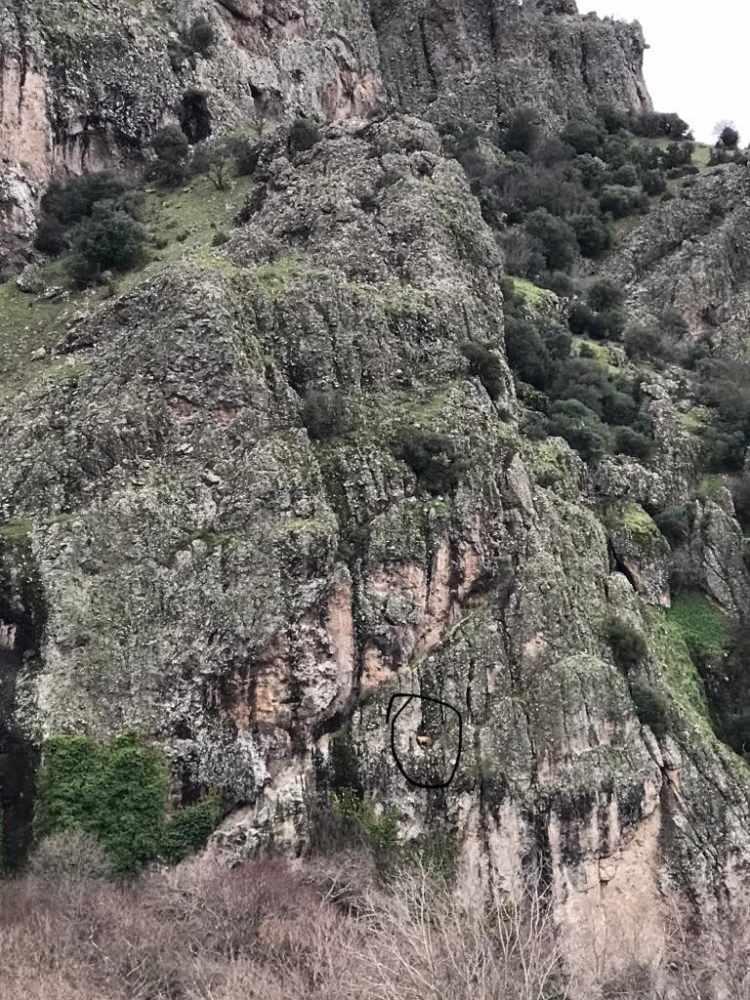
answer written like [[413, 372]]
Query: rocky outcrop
[[84, 85], [220, 575], [479, 61], [691, 255]]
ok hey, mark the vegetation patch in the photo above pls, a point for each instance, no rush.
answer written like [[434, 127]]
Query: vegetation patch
[[117, 792], [700, 623], [533, 295], [680, 675]]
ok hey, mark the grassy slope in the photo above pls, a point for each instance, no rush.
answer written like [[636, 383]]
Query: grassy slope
[[186, 219]]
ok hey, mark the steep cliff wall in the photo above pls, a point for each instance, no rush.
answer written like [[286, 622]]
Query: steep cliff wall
[[480, 60], [251, 594], [85, 85]]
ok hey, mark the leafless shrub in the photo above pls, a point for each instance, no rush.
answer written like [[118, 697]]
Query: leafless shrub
[[424, 942], [328, 930]]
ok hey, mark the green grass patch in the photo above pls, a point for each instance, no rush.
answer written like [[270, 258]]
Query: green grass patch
[[695, 420], [702, 155], [710, 487], [534, 296], [14, 531], [633, 519], [679, 674], [700, 623]]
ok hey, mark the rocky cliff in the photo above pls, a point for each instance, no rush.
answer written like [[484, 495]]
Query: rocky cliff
[[259, 492], [85, 85]]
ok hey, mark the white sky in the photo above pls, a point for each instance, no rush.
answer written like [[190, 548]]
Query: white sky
[[697, 64]]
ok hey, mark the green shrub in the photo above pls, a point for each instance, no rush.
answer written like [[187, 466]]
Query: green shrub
[[643, 342], [433, 458], [610, 325], [655, 124], [523, 132], [674, 524], [583, 321], [631, 442], [188, 829], [620, 201], [73, 200], [559, 282], [556, 238], [109, 240], [50, 236], [246, 154], [593, 235], [581, 428], [485, 365], [628, 645], [729, 137], [526, 352], [605, 294], [214, 160], [171, 147], [303, 135], [654, 183], [324, 414], [652, 708], [625, 176], [583, 136], [116, 792], [200, 36]]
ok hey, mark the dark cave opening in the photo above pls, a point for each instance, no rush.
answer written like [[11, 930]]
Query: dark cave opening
[[18, 765], [195, 117], [22, 623]]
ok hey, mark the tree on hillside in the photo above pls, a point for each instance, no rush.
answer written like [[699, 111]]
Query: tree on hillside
[[727, 135]]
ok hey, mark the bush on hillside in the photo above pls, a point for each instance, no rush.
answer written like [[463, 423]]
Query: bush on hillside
[[584, 136], [486, 366], [593, 235], [620, 202], [303, 135], [729, 137], [605, 294], [581, 428], [324, 414], [652, 708], [201, 36], [523, 132], [643, 342], [171, 147], [433, 458], [628, 645], [50, 236], [674, 524], [631, 442], [526, 352], [214, 160], [654, 183], [72, 200], [109, 240], [556, 239]]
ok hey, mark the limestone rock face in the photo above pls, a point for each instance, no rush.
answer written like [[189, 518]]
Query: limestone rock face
[[691, 254], [477, 59], [206, 567], [84, 85]]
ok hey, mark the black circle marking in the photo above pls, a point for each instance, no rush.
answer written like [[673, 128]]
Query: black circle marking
[[410, 696]]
